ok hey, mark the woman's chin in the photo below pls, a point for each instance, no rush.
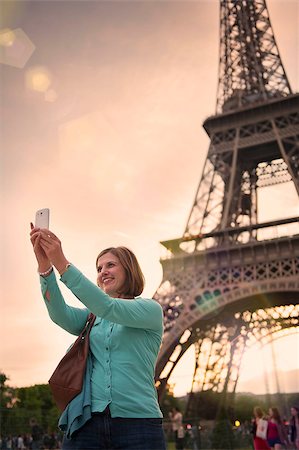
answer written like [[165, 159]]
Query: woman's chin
[[109, 292]]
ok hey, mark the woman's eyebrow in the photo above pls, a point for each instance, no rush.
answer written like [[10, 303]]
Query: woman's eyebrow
[[108, 262]]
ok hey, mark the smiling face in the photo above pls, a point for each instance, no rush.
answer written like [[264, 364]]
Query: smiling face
[[111, 275]]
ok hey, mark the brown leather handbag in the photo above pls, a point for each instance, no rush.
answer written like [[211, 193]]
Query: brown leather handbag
[[67, 379]]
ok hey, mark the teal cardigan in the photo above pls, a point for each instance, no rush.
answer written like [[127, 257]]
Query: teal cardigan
[[124, 343], [78, 411]]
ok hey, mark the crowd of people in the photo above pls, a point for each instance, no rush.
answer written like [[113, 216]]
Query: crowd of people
[[271, 432], [26, 442], [35, 440]]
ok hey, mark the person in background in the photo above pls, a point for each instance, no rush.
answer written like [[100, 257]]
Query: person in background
[[121, 409], [9, 443], [20, 443], [195, 435], [36, 435], [258, 443], [294, 427], [176, 418], [276, 435]]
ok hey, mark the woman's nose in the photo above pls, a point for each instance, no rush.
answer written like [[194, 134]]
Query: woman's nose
[[104, 271]]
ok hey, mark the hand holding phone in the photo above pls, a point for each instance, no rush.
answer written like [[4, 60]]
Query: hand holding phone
[[42, 218]]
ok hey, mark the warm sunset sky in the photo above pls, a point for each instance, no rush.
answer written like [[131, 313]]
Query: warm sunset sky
[[111, 141]]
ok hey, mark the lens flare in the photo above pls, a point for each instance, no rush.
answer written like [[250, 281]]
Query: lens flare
[[38, 79], [7, 37], [16, 47]]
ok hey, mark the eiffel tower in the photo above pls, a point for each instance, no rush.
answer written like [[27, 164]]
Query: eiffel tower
[[232, 280]]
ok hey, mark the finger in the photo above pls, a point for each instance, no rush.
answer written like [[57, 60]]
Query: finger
[[49, 233], [46, 232], [44, 248], [34, 230], [46, 236], [33, 238], [45, 244], [37, 239], [34, 234]]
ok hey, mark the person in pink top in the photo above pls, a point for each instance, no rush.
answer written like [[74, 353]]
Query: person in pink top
[[276, 435]]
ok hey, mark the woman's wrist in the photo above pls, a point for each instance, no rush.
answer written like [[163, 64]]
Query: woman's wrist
[[45, 273], [63, 268], [43, 266]]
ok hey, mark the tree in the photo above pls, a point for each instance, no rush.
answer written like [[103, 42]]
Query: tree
[[222, 436], [20, 405], [37, 402], [8, 401]]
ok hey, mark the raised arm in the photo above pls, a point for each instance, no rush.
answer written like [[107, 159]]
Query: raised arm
[[69, 318], [137, 313]]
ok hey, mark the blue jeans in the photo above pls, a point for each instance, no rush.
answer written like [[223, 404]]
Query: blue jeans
[[102, 432]]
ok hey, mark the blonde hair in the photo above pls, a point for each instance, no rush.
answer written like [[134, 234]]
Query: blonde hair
[[134, 283]]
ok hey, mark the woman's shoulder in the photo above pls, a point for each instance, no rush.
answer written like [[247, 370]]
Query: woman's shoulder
[[149, 301]]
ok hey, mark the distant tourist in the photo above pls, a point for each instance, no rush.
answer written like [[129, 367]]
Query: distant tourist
[[259, 420], [20, 443], [176, 418], [36, 435], [195, 436], [277, 435], [294, 427]]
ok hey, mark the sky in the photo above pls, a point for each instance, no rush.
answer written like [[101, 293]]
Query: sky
[[102, 105]]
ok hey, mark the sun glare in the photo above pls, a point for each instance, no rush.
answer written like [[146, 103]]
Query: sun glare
[[258, 371]]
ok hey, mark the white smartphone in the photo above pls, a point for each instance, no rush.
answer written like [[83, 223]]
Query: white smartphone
[[42, 218]]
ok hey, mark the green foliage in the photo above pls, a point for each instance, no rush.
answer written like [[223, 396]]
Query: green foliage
[[7, 394], [244, 404], [20, 405], [7, 401], [222, 436], [37, 401], [207, 404]]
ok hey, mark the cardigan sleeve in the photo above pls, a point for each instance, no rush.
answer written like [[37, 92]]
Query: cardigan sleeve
[[136, 313], [67, 317]]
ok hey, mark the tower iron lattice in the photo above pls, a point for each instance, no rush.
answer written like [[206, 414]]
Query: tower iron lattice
[[230, 279]]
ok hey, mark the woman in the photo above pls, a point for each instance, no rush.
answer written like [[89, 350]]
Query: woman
[[294, 427], [276, 435], [124, 344], [258, 442], [176, 418]]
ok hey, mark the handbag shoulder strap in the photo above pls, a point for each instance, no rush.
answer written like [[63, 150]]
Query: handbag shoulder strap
[[88, 326]]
